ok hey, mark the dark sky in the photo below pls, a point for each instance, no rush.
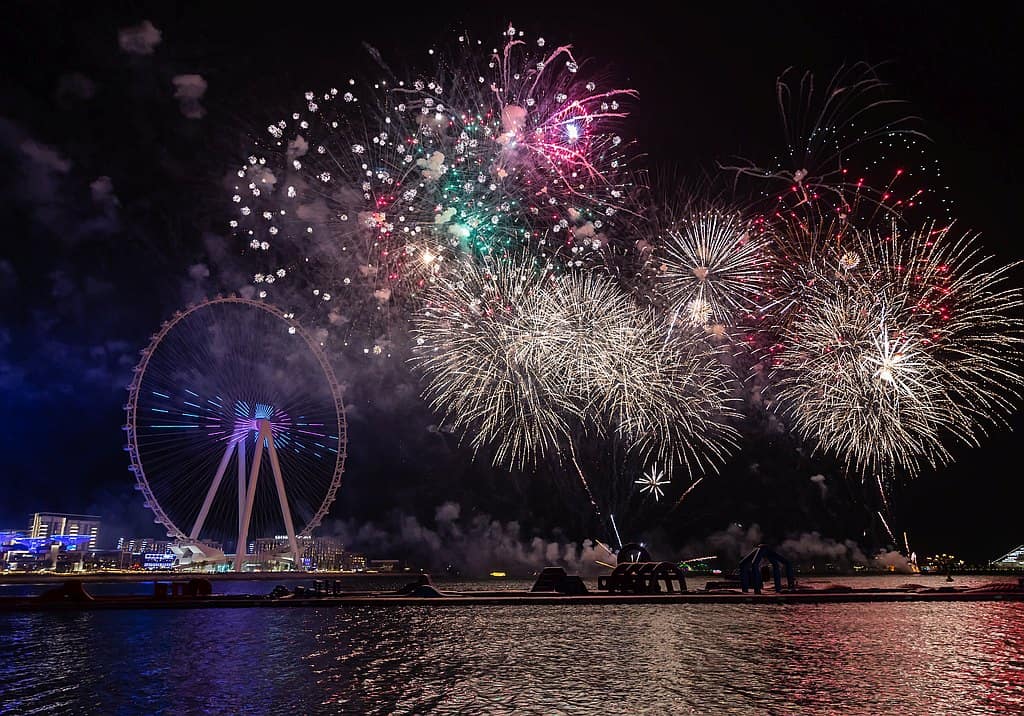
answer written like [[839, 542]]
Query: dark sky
[[89, 266]]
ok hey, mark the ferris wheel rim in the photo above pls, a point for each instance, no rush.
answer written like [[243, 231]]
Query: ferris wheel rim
[[139, 372]]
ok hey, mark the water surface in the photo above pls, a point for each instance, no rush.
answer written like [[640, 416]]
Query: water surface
[[684, 658]]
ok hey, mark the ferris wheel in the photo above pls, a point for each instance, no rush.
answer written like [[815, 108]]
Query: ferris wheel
[[235, 386]]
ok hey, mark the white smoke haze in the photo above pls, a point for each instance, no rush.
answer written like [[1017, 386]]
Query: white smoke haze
[[188, 90], [315, 211], [806, 549], [297, 148], [140, 39], [819, 480], [45, 156], [476, 545], [433, 167], [102, 190], [812, 547], [892, 561]]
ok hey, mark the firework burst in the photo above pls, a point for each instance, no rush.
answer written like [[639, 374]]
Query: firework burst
[[713, 270], [478, 346], [889, 359], [527, 362], [839, 145], [653, 481], [366, 192]]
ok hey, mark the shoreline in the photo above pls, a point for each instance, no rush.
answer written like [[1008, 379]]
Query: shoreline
[[129, 577], [484, 598], [114, 577]]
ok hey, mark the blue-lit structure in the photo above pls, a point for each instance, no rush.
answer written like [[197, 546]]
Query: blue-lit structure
[[750, 569], [18, 543], [42, 545]]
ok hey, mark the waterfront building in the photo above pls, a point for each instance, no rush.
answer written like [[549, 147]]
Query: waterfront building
[[191, 555], [58, 524], [321, 553], [325, 554], [142, 545], [159, 560], [1014, 559], [59, 552], [11, 545], [354, 562], [382, 565]]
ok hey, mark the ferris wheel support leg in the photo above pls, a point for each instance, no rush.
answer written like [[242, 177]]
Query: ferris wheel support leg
[[212, 492], [282, 497], [240, 453], [250, 496]]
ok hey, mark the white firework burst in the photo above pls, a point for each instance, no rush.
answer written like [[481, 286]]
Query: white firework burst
[[523, 360], [653, 481], [917, 346], [713, 269], [896, 362], [698, 312]]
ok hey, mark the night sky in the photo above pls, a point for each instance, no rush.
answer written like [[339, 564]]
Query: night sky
[[114, 214]]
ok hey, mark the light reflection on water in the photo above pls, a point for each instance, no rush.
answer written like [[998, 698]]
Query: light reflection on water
[[855, 658]]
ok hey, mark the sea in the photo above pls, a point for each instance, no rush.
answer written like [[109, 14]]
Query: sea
[[887, 658]]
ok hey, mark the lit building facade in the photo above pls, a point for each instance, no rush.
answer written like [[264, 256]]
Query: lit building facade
[[322, 553], [62, 553], [142, 545], [1014, 559], [57, 524]]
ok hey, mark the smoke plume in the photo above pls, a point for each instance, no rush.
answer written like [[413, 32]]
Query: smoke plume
[[475, 545]]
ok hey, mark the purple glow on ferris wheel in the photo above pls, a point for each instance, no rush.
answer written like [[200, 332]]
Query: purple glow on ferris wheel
[[248, 419], [242, 422]]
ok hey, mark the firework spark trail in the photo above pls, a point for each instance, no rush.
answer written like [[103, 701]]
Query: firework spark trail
[[913, 345], [887, 528], [881, 492], [832, 137], [583, 480], [688, 490]]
